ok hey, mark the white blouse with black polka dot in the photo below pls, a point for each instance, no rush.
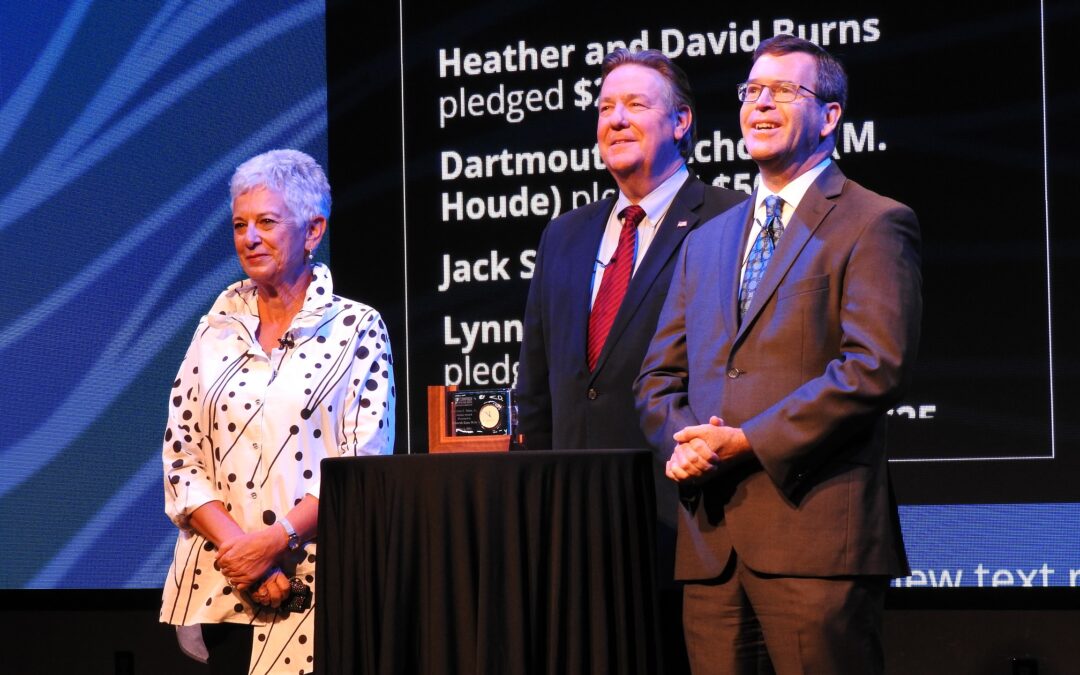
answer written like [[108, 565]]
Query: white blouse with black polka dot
[[250, 428]]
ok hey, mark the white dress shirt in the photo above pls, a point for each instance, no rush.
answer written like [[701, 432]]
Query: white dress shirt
[[656, 205], [792, 194]]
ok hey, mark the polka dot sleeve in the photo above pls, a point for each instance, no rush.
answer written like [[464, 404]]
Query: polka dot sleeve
[[186, 462], [368, 419]]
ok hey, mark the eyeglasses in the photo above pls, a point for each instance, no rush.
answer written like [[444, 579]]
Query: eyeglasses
[[782, 92]]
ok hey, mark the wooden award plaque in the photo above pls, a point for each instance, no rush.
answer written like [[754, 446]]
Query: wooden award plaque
[[441, 436]]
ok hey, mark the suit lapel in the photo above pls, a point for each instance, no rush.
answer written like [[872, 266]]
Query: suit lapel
[[681, 217], [730, 259], [814, 206], [579, 266]]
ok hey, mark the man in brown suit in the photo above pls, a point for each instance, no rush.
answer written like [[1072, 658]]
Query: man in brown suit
[[788, 331]]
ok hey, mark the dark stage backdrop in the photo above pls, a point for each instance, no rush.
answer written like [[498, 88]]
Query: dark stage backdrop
[[964, 116], [451, 137]]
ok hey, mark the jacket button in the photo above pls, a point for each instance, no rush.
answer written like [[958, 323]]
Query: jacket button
[[734, 373], [592, 394]]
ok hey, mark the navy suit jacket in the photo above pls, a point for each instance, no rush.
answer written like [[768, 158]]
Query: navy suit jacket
[[561, 405], [825, 348]]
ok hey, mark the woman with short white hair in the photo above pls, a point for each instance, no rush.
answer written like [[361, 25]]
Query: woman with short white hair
[[281, 373]]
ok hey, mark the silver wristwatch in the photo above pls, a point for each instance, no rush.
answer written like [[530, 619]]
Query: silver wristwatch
[[294, 541]]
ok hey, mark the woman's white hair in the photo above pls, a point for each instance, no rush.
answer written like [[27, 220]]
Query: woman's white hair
[[293, 174]]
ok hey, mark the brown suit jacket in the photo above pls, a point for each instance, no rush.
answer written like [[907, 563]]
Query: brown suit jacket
[[824, 350]]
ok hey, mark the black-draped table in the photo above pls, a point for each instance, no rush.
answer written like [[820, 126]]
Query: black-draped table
[[500, 563]]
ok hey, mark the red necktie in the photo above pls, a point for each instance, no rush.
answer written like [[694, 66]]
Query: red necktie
[[614, 283]]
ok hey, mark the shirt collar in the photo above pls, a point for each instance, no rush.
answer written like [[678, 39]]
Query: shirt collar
[[240, 300], [657, 202], [793, 192]]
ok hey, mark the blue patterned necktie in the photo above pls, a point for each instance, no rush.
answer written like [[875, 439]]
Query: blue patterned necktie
[[761, 251]]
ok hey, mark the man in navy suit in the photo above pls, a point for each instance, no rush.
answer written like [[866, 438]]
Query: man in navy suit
[[789, 330], [584, 342], [568, 396]]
